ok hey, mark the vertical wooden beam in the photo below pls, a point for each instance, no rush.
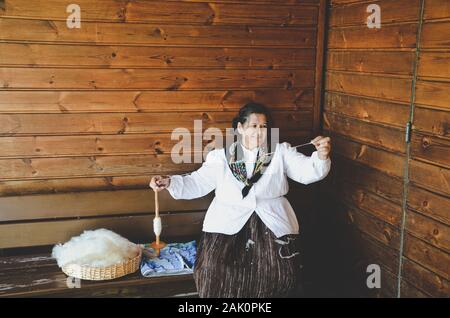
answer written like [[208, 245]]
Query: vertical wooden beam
[[408, 150], [319, 67]]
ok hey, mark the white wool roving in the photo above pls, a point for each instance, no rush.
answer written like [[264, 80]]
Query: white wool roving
[[97, 248]]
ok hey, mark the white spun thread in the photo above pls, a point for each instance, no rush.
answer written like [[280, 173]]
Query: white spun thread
[[157, 226]]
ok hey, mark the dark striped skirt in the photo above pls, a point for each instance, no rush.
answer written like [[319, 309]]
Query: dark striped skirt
[[252, 263]]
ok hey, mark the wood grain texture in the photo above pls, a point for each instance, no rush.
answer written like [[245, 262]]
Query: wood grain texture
[[179, 12], [430, 177], [429, 204], [427, 255], [125, 123], [369, 98], [86, 204], [87, 113], [425, 279], [433, 94], [379, 159], [365, 132], [367, 109], [431, 149], [435, 35], [142, 34], [151, 101], [109, 56], [431, 231], [392, 11], [391, 88], [361, 37], [392, 62], [137, 229], [37, 275], [92, 79]]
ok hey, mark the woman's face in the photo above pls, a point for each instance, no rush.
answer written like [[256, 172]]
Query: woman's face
[[253, 131]]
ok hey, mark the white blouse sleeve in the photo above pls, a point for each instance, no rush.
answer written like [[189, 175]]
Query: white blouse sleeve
[[200, 182], [302, 168]]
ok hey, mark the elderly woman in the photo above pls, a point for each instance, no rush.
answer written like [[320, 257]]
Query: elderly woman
[[249, 244]]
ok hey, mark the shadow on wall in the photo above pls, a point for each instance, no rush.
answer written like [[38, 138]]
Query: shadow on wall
[[333, 264]]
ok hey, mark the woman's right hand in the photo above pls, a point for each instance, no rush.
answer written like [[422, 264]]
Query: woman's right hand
[[158, 183]]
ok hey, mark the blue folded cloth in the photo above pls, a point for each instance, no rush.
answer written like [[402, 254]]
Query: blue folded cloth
[[174, 259]]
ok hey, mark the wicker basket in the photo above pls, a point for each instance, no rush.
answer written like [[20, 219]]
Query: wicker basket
[[103, 273]]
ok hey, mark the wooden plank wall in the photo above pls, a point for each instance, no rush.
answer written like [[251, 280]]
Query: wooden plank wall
[[86, 114], [426, 251], [395, 195]]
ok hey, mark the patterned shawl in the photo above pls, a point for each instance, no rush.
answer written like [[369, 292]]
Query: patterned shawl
[[235, 158]]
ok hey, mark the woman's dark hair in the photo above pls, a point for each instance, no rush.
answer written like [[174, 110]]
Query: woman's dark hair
[[247, 110]]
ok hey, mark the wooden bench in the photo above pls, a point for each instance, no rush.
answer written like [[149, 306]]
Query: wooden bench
[[31, 225], [37, 275]]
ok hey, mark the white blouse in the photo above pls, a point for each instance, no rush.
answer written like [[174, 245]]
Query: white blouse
[[228, 212], [250, 157]]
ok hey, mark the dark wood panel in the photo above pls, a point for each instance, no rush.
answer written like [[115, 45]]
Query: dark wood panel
[[388, 286], [38, 55], [426, 255], [432, 121], [319, 69], [361, 37], [94, 166], [429, 176], [57, 146], [367, 109], [379, 159], [425, 279], [130, 181], [430, 204], [378, 253], [44, 146], [436, 9], [336, 3], [53, 283], [433, 232], [388, 62], [388, 138], [211, 13], [368, 202], [392, 11], [368, 87], [375, 228], [430, 148], [154, 34], [371, 180], [434, 64], [392, 88], [138, 229], [150, 101], [410, 291], [435, 35], [433, 94], [286, 2], [124, 123], [83, 204], [47, 186], [39, 168], [54, 78]]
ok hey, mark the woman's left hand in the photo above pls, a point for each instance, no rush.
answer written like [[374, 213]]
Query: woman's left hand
[[323, 146]]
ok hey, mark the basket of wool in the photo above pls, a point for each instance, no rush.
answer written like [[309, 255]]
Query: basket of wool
[[98, 255]]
